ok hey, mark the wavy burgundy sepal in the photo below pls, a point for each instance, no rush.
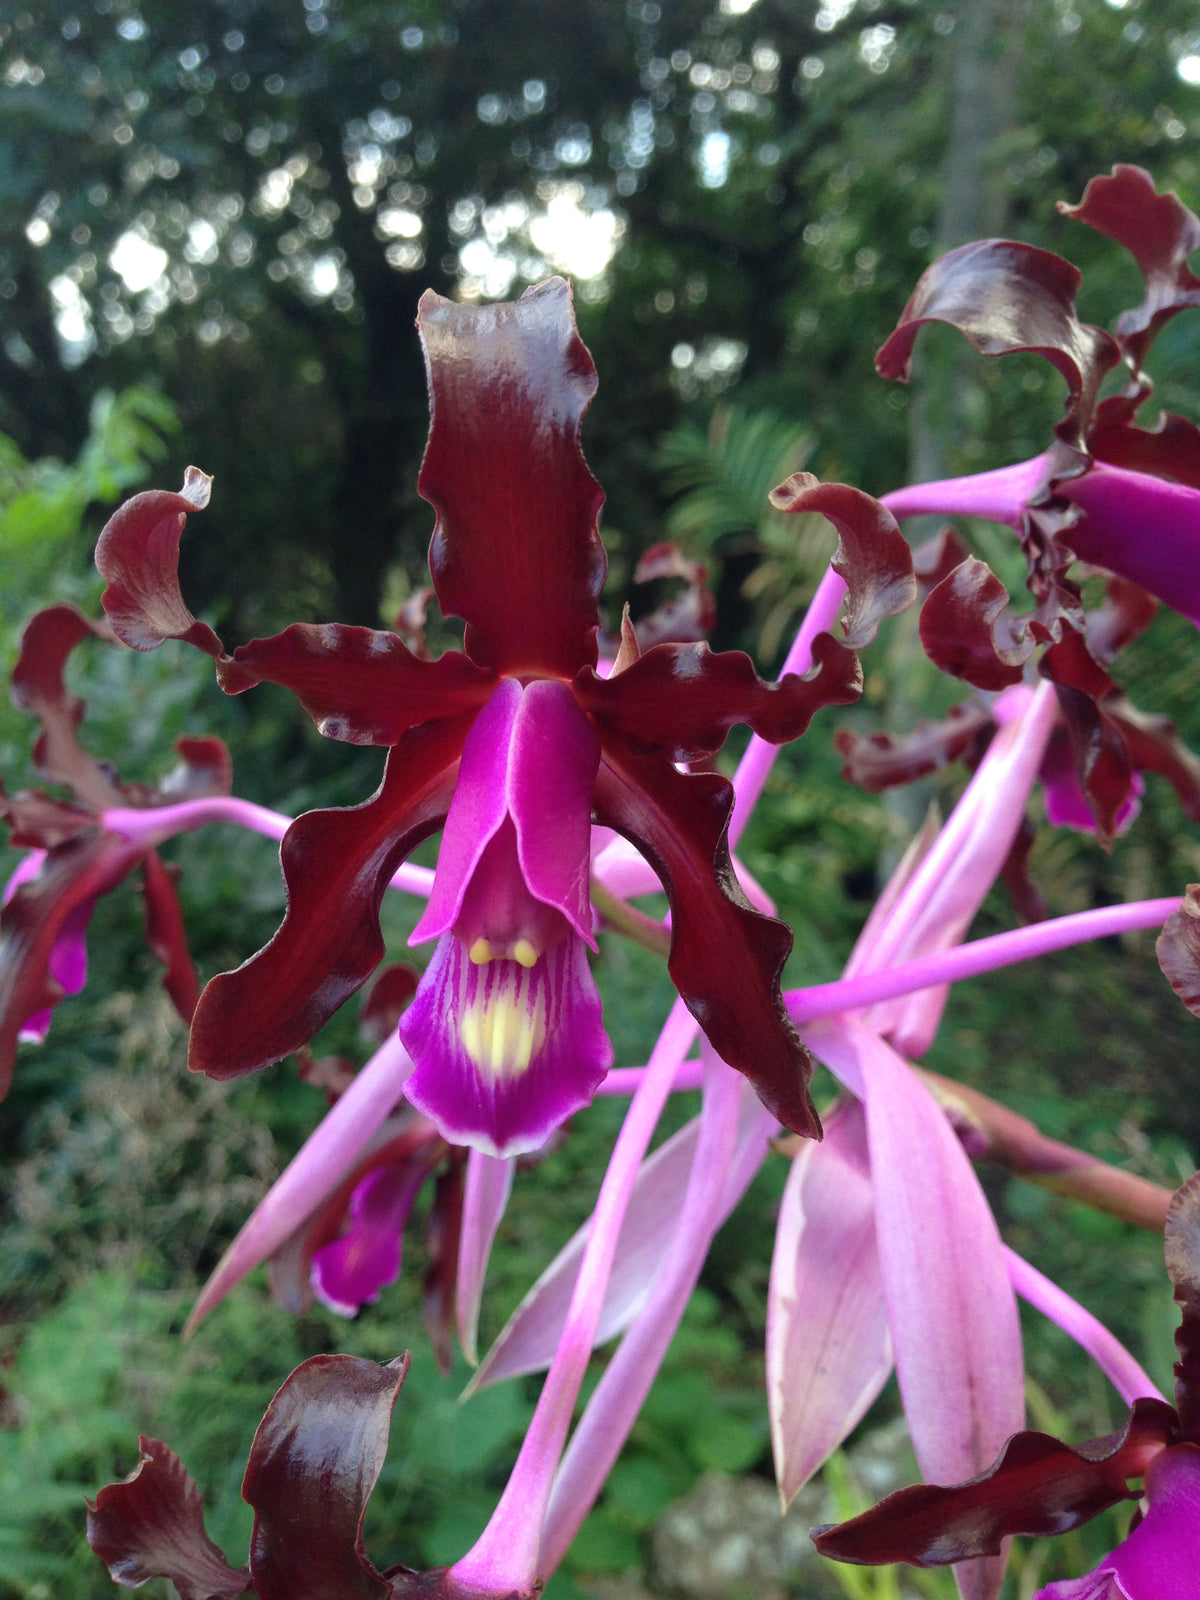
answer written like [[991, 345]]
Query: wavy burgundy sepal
[[38, 688], [1183, 1268], [1039, 1486], [968, 630], [1160, 233], [1004, 296], [682, 699], [726, 958], [516, 552], [873, 556], [151, 1525], [1178, 949], [138, 556], [879, 761], [336, 865]]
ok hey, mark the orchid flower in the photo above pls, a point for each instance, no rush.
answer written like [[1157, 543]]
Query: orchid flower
[[1039, 1486], [513, 747], [74, 855], [1107, 492]]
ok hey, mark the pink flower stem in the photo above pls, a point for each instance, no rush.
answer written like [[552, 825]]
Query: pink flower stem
[[755, 766], [969, 960], [1129, 1379], [156, 823], [506, 1557]]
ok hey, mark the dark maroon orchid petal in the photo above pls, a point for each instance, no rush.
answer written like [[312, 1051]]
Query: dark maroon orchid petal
[[937, 558], [204, 769], [872, 554], [691, 614], [968, 629], [386, 997], [37, 822], [1182, 1244], [313, 1464], [1004, 296], [1171, 449], [1154, 746], [166, 936], [879, 761], [515, 552], [1127, 611], [682, 699], [152, 1526], [726, 959], [138, 557], [1178, 949], [360, 685], [1103, 764], [38, 688], [336, 865], [1160, 233], [37, 916], [1039, 1486]]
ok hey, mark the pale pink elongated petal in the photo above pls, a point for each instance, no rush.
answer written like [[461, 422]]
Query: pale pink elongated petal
[[618, 1398], [528, 1341], [506, 1556], [951, 1306], [1126, 1375], [829, 1352], [622, 870], [485, 1198], [940, 900], [1143, 528], [312, 1174], [997, 496]]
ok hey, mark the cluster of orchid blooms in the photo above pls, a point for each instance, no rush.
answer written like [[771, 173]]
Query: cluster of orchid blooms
[[565, 785]]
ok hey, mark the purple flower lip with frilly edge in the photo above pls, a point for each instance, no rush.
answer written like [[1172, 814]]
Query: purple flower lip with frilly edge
[[515, 746]]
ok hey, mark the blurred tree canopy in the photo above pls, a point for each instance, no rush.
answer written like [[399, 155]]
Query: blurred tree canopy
[[241, 202]]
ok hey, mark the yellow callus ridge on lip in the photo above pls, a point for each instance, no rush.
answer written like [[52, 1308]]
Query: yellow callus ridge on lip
[[480, 952], [505, 1025]]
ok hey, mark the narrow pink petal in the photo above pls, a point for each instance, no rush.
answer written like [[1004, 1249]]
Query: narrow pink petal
[[312, 1174], [617, 1400], [938, 904], [998, 496], [1124, 1373], [829, 1352], [951, 1306], [1143, 528], [485, 1197], [505, 1053], [530, 1337]]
